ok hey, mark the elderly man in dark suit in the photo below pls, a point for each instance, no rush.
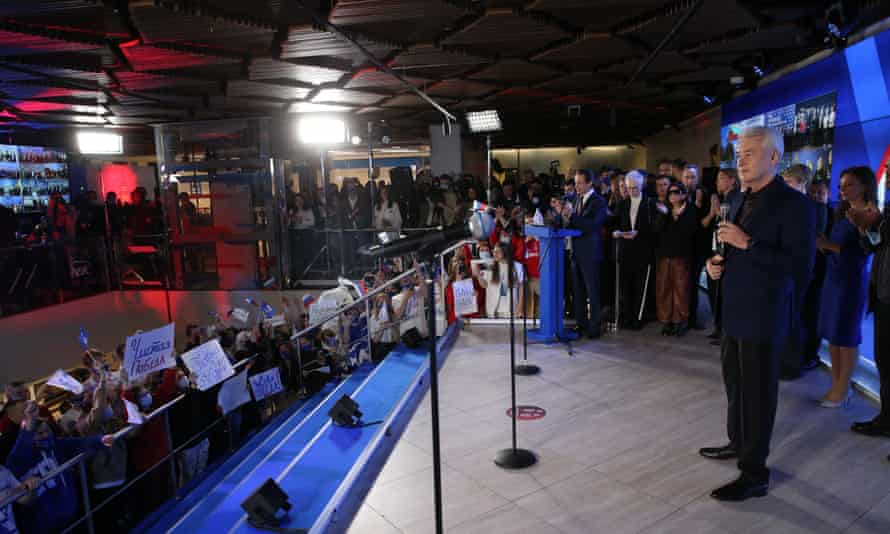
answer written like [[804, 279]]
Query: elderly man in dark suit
[[587, 215], [635, 233], [769, 251]]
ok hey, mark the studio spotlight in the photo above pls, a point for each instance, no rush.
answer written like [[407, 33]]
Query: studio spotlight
[[708, 100], [100, 143], [321, 130], [356, 140], [484, 121]]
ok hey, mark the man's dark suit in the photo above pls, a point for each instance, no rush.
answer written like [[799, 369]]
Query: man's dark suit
[[758, 294], [587, 254], [635, 255]]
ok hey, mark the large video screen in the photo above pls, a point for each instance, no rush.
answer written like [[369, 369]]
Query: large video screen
[[807, 128], [29, 175]]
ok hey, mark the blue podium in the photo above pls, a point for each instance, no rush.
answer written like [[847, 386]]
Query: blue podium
[[552, 266]]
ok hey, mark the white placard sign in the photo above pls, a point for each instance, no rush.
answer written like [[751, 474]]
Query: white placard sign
[[241, 315], [208, 365], [134, 416], [464, 297], [233, 393], [266, 384], [149, 351], [63, 380]]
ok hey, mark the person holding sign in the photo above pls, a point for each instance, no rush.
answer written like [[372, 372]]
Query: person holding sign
[[463, 301], [149, 444], [37, 452]]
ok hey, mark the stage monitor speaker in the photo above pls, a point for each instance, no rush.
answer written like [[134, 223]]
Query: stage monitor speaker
[[345, 412], [267, 508]]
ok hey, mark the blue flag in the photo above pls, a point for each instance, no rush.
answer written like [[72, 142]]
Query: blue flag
[[83, 339], [268, 310], [250, 301]]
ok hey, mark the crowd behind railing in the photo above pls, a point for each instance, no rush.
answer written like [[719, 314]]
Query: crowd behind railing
[[96, 451]]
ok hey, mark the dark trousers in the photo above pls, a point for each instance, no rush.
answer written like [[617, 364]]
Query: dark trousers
[[633, 282], [882, 357], [696, 264], [715, 297], [810, 319], [586, 287], [751, 377]]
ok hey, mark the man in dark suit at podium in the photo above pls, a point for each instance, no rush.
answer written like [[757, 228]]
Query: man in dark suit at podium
[[769, 250], [587, 215], [635, 236]]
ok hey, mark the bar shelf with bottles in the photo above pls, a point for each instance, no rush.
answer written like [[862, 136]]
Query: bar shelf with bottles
[[29, 175]]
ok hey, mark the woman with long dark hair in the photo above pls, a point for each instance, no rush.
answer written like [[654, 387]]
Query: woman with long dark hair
[[846, 284]]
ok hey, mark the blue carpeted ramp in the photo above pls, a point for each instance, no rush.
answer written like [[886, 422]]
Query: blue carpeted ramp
[[325, 470]]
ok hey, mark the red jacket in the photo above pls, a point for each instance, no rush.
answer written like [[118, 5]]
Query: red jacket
[[532, 260], [515, 240], [152, 445]]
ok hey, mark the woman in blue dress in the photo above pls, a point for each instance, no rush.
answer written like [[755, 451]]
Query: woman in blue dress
[[845, 290]]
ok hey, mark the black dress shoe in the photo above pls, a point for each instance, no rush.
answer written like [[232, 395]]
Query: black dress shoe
[[667, 330], [870, 428], [716, 334], [740, 490], [727, 452], [681, 330], [715, 342]]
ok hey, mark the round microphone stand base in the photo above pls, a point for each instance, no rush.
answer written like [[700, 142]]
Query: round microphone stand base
[[526, 369], [515, 458]]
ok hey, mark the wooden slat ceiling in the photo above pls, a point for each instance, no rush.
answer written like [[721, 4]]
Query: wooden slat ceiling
[[146, 61]]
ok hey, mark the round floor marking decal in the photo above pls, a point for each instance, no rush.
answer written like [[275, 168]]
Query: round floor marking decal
[[527, 413]]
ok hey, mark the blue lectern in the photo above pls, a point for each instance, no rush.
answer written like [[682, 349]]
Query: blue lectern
[[552, 265]]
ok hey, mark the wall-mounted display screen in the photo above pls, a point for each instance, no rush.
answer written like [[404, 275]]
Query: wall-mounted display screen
[[807, 128], [30, 174]]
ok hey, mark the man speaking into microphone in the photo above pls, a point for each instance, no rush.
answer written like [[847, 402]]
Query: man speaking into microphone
[[768, 245]]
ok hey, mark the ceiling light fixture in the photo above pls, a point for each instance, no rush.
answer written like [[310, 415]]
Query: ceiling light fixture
[[100, 143], [484, 121], [321, 130]]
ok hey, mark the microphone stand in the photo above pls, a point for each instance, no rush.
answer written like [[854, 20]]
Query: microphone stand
[[524, 368], [514, 457]]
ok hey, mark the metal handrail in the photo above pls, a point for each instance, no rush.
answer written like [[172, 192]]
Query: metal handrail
[[160, 410]]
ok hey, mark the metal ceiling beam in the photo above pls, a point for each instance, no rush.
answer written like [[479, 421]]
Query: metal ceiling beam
[[667, 39], [324, 23]]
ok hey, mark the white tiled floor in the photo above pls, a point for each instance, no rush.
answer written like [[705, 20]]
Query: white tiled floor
[[617, 448]]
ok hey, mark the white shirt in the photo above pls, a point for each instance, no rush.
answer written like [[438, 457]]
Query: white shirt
[[585, 199], [634, 210], [388, 217], [497, 297]]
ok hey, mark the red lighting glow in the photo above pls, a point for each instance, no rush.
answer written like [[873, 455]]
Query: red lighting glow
[[117, 178]]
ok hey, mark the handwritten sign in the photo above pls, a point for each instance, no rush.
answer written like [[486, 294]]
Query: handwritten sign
[[266, 384], [63, 380], [233, 393], [241, 315], [149, 351], [208, 365], [134, 415], [464, 297]]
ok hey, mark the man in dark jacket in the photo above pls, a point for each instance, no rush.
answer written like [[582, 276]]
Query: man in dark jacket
[[636, 217], [770, 247], [875, 229], [587, 215]]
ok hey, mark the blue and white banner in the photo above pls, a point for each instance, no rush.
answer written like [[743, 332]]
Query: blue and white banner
[[208, 365], [266, 384]]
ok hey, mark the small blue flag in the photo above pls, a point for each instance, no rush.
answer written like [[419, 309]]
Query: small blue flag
[[268, 310], [83, 339], [250, 301]]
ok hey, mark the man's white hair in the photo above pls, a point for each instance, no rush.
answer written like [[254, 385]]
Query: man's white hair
[[635, 176], [770, 138]]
